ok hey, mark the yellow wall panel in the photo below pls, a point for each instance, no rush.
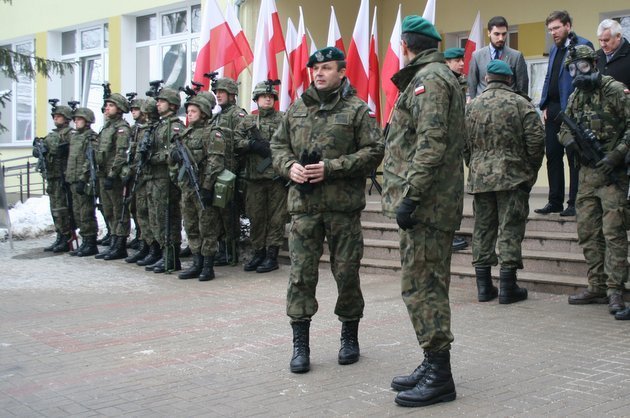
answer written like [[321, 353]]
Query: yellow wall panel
[[41, 88], [115, 45]]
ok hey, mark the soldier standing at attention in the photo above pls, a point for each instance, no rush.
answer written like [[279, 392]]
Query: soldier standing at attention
[[111, 156], [77, 175], [602, 105], [504, 151], [55, 146], [139, 121], [326, 145], [423, 188], [206, 148], [266, 198], [228, 119]]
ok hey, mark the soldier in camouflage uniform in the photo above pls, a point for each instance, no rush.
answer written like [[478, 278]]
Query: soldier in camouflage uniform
[[205, 146], [423, 187], [111, 156], [77, 176], [326, 145], [266, 198], [504, 151], [139, 120], [56, 157], [602, 105], [228, 119]]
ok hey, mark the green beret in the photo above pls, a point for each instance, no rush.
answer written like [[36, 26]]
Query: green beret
[[330, 53], [499, 67], [453, 53], [418, 24]]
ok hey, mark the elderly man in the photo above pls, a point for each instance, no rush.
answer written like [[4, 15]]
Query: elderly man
[[613, 58]]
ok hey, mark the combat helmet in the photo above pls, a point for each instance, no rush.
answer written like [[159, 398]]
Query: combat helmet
[[149, 108], [62, 110], [85, 113], [209, 97], [120, 101], [580, 52], [264, 87], [226, 84], [136, 104], [171, 96], [202, 103]]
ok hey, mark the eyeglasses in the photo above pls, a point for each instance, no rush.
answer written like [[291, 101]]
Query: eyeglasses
[[581, 66], [554, 29]]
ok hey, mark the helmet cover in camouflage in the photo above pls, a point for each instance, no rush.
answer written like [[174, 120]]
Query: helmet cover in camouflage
[[149, 108], [264, 88], [136, 104], [580, 52], [170, 95], [226, 84], [64, 111], [85, 113], [120, 101], [209, 97], [202, 103]]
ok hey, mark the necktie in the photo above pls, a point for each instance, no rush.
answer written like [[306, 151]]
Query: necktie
[[497, 54]]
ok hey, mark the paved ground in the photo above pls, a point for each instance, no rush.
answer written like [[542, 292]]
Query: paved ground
[[83, 337]]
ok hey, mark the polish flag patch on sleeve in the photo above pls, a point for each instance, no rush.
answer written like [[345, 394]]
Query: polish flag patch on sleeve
[[419, 90], [627, 91]]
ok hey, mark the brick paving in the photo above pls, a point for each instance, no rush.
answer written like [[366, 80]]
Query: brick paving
[[85, 337]]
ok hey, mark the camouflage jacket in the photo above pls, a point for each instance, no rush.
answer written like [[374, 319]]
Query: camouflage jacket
[[206, 148], [505, 141], [228, 119], [78, 168], [347, 138], [254, 166], [161, 143], [57, 157], [113, 141], [423, 152]]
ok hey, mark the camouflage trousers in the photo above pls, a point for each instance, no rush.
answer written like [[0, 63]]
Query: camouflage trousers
[[58, 205], [142, 211], [84, 212], [202, 225], [266, 208], [603, 216], [163, 201], [112, 201], [306, 244], [425, 255], [500, 219]]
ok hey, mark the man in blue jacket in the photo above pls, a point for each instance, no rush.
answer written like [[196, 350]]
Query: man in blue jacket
[[556, 90]]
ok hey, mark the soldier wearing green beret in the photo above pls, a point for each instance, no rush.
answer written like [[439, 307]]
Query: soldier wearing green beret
[[423, 188], [504, 151], [326, 145]]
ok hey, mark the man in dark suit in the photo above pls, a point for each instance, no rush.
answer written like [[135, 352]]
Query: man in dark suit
[[556, 90], [497, 32], [613, 58]]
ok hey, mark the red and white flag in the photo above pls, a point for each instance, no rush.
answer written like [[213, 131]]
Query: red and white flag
[[313, 46], [358, 58], [474, 42], [234, 68], [218, 45], [286, 88], [300, 71], [334, 34], [269, 43], [391, 65], [429, 11], [374, 88]]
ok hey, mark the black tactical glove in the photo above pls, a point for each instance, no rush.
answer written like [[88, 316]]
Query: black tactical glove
[[80, 188], [404, 212], [605, 166], [108, 184], [207, 196], [260, 147], [175, 156]]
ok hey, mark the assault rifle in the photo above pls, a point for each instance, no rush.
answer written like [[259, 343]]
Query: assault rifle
[[39, 151], [255, 135], [91, 158], [188, 167]]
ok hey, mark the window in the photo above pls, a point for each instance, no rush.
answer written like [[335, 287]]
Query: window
[[18, 115]]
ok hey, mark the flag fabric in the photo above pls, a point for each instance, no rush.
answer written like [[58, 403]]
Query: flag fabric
[[473, 43], [391, 65], [269, 42], [374, 88], [286, 88], [218, 45], [298, 65], [334, 34], [234, 68], [429, 11], [313, 46], [358, 53]]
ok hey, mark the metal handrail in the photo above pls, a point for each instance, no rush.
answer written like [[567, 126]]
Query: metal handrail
[[28, 177]]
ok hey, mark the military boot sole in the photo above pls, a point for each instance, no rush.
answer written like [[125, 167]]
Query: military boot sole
[[266, 270], [506, 300], [487, 297], [344, 361], [602, 300], [448, 397], [120, 256], [300, 368]]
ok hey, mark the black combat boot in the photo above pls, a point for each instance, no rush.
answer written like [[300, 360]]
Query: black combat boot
[[510, 292], [106, 240], [486, 291], [221, 257], [64, 245], [271, 262], [185, 252], [259, 257], [119, 251], [52, 246], [300, 362], [169, 261], [193, 271], [410, 381], [74, 253], [112, 244], [152, 257], [435, 386], [207, 273], [143, 251], [349, 351], [90, 247]]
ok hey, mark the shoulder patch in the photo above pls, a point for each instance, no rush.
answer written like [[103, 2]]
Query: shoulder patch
[[419, 89], [176, 128], [241, 115], [627, 91], [121, 131], [218, 135]]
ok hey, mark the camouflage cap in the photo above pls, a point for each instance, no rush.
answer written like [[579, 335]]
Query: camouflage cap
[[454, 53], [264, 88], [226, 84], [201, 103], [120, 101], [64, 111], [580, 52], [170, 95], [418, 24], [85, 113], [330, 53], [499, 67]]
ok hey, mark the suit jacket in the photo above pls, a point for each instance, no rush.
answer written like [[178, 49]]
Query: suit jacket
[[479, 63], [619, 66], [564, 78]]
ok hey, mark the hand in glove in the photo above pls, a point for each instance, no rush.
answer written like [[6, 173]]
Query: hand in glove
[[108, 184], [605, 166], [175, 156], [260, 147], [80, 188], [404, 212]]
